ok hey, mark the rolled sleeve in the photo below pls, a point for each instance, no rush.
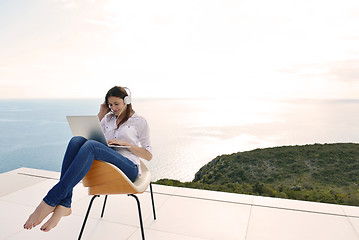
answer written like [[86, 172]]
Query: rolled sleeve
[[144, 136]]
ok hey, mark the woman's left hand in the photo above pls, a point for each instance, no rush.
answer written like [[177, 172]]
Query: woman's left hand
[[138, 151], [118, 142]]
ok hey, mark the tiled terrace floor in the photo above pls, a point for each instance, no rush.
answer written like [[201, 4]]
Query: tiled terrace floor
[[182, 214]]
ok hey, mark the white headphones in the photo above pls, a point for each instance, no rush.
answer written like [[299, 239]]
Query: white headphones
[[127, 100]]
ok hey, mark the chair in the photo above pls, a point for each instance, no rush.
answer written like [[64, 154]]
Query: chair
[[104, 179]]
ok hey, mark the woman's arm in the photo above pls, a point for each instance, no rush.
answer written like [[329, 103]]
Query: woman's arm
[[104, 109], [138, 151]]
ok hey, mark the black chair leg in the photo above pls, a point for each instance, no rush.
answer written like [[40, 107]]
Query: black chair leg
[[153, 203], [87, 214], [104, 204], [103, 211], [139, 214]]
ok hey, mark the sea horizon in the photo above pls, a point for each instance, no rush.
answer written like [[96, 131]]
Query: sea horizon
[[186, 133]]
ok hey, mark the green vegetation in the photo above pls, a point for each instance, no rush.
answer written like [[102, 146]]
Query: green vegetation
[[320, 172]]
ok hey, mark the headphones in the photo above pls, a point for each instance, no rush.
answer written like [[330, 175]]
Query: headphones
[[127, 100]]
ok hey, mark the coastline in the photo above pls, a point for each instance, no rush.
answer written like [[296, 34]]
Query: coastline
[[326, 173]]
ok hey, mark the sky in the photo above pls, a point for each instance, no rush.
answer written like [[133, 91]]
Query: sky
[[180, 48]]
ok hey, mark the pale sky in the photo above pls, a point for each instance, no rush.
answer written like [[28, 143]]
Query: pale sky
[[182, 48]]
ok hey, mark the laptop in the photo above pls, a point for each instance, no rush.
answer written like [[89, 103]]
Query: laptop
[[89, 127]]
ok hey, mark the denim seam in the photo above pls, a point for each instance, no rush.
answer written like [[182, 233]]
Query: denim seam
[[51, 204], [115, 154], [64, 205]]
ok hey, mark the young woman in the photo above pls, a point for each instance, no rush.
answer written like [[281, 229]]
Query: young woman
[[122, 126]]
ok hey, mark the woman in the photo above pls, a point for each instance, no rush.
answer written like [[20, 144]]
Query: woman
[[121, 126]]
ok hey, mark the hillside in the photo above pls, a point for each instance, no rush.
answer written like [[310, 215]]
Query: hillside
[[320, 172]]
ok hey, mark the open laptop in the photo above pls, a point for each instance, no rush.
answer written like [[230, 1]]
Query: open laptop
[[89, 127]]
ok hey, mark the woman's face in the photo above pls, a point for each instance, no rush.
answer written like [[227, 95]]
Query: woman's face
[[116, 104]]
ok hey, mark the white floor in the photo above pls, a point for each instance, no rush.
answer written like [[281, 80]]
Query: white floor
[[182, 214]]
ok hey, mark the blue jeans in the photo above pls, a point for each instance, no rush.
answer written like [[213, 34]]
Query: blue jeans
[[77, 161]]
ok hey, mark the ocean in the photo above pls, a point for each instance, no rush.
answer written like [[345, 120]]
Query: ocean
[[185, 133]]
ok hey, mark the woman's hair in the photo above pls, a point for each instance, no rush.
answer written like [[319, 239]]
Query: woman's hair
[[120, 92]]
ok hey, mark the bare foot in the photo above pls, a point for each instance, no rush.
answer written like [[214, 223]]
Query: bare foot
[[40, 213], [60, 211]]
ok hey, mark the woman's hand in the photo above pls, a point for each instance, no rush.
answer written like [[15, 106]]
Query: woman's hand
[[118, 142], [104, 109], [138, 151]]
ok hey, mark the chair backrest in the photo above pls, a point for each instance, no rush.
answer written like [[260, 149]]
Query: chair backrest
[[104, 178]]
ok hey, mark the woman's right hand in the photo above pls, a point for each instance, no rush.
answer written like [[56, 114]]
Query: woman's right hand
[[104, 109]]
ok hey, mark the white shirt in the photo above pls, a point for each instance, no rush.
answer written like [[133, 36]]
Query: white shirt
[[134, 131]]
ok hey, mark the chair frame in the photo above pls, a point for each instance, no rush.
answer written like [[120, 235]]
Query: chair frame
[[103, 211], [98, 192]]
